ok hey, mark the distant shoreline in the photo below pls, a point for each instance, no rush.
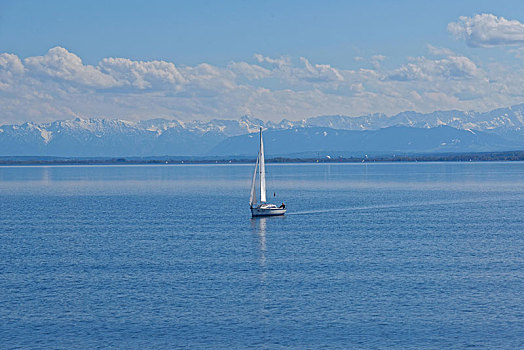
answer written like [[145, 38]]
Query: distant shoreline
[[509, 156]]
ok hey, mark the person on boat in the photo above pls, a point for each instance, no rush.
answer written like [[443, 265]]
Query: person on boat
[[283, 206]]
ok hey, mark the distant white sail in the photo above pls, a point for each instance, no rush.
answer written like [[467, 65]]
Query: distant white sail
[[253, 197], [262, 169]]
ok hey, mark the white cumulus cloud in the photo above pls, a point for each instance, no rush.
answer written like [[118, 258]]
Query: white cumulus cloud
[[11, 63], [422, 68], [10, 67], [280, 62], [319, 72], [142, 75], [485, 30], [58, 63], [250, 71]]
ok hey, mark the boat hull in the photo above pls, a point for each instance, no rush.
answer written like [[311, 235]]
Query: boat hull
[[267, 211]]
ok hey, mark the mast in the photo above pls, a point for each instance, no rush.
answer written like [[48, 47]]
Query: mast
[[262, 170]]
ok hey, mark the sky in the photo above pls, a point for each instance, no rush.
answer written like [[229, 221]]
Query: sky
[[272, 60]]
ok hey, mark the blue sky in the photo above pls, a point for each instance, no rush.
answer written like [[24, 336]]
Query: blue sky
[[270, 59]]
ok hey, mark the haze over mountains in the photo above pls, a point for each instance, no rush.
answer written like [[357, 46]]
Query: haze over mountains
[[406, 132]]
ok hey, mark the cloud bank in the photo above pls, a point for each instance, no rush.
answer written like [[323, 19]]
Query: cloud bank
[[59, 85]]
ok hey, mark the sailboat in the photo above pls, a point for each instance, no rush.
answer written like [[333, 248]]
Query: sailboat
[[264, 208]]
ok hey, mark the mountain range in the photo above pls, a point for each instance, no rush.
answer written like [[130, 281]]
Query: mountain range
[[406, 132]]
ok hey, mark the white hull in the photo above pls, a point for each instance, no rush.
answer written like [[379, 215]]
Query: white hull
[[267, 211]]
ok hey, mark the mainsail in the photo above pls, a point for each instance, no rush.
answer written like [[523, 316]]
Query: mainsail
[[262, 170], [253, 197]]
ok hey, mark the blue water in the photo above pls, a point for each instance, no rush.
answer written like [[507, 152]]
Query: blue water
[[369, 256]]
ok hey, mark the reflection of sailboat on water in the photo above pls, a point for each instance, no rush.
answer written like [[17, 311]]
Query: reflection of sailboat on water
[[259, 227], [264, 208], [262, 295]]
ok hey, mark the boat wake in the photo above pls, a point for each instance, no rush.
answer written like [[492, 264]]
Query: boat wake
[[403, 205]]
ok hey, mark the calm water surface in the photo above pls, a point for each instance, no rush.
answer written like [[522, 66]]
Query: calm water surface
[[370, 256]]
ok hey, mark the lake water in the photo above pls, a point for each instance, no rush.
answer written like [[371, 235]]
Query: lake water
[[369, 256]]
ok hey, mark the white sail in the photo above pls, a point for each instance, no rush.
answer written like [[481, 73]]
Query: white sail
[[253, 197], [262, 169]]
